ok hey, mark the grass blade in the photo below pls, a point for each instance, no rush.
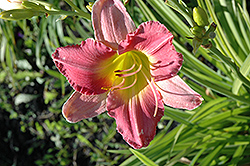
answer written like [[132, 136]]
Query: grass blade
[[143, 158], [208, 160], [245, 70]]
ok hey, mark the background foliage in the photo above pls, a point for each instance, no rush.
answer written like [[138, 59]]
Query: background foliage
[[32, 92]]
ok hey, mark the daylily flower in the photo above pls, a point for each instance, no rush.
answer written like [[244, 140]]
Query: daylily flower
[[11, 4], [129, 72]]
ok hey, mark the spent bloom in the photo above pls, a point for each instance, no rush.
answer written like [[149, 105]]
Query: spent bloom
[[11, 4], [129, 72]]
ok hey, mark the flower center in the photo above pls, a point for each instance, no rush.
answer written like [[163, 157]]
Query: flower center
[[130, 74]]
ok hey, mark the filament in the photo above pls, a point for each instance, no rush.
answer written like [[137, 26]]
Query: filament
[[131, 85], [130, 74], [154, 92], [119, 85], [131, 68]]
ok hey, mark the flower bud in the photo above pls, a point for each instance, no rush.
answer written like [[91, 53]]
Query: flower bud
[[11, 4], [198, 31], [18, 14], [200, 17]]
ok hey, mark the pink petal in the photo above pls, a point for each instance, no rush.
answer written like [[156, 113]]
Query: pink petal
[[155, 41], [80, 106], [86, 66], [176, 93], [111, 22], [135, 117]]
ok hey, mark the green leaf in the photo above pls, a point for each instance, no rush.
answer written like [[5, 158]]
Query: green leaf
[[182, 9], [143, 158], [197, 155], [237, 156], [227, 48], [170, 17], [245, 70], [83, 33], [119, 151], [177, 118], [146, 11], [23, 74], [79, 11], [231, 23], [3, 74], [49, 96], [84, 140], [213, 155], [215, 87], [231, 64], [195, 63]]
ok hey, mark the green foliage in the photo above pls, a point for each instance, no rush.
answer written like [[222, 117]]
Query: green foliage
[[33, 91]]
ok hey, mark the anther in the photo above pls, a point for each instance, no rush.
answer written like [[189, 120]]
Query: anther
[[130, 74]]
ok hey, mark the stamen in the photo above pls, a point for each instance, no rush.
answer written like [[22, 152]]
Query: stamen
[[127, 87], [135, 72], [119, 85], [133, 66], [154, 92], [130, 74], [110, 88]]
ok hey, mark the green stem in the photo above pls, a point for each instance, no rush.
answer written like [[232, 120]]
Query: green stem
[[62, 12], [79, 11], [231, 64]]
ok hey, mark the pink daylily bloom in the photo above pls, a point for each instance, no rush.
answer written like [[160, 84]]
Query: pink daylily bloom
[[129, 72]]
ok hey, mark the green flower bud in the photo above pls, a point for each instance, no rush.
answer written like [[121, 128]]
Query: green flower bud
[[18, 14], [197, 31], [200, 17]]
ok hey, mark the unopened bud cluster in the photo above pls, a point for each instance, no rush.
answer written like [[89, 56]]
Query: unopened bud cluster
[[201, 35], [201, 20]]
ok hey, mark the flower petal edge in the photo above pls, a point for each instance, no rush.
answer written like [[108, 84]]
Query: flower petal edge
[[177, 94], [80, 106]]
